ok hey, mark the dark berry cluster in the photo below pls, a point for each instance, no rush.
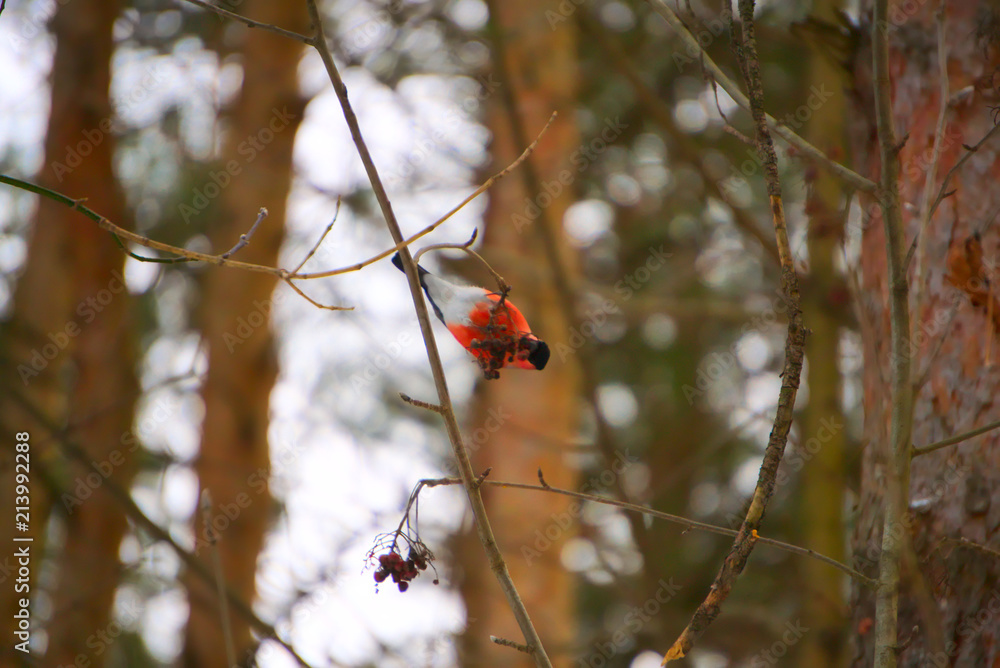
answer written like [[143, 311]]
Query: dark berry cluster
[[496, 351], [499, 344], [391, 564]]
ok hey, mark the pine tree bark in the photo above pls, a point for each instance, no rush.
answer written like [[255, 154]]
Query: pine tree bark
[[950, 587]]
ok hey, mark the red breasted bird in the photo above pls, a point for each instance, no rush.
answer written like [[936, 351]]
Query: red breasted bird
[[491, 328]]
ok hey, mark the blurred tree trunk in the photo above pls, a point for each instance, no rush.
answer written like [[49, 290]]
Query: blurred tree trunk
[[71, 341], [527, 418], [954, 492], [820, 448], [235, 321]]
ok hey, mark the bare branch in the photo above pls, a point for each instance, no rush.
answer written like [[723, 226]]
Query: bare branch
[[336, 214], [403, 243], [220, 579], [250, 23], [503, 642], [675, 519], [747, 536], [808, 150], [245, 238], [954, 440]]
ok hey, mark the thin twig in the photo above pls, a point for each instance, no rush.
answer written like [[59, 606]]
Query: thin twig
[[923, 376], [482, 523], [250, 23], [245, 238], [513, 645], [674, 519], [954, 440], [402, 243], [336, 214], [969, 152], [502, 285], [313, 301], [925, 201], [747, 536], [220, 578], [805, 148], [896, 456], [658, 111], [421, 404], [965, 542]]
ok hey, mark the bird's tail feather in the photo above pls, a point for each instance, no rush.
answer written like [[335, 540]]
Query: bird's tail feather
[[398, 263]]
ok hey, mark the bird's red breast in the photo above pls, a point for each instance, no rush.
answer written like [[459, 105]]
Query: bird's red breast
[[495, 331]]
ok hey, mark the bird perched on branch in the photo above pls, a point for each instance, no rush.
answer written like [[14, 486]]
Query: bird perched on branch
[[486, 324]]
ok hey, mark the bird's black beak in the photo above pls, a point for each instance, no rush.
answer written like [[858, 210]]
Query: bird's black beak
[[538, 352]]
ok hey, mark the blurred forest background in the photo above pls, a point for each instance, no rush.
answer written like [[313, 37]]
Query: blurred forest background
[[638, 242]]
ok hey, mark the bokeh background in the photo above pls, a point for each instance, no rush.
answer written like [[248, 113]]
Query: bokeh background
[[637, 241]]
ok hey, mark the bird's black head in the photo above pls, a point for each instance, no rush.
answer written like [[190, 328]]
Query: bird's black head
[[538, 351]]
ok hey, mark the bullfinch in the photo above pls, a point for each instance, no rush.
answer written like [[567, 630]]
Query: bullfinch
[[486, 324]]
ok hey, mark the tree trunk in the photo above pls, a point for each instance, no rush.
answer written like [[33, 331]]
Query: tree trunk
[[823, 437], [70, 339], [952, 586], [526, 418], [235, 321]]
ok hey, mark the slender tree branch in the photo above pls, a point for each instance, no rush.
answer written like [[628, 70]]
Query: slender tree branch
[[661, 113], [319, 242], [433, 226], [969, 152], [675, 519], [245, 238], [851, 177], [220, 578], [502, 285], [250, 23], [925, 203], [896, 454], [791, 375], [954, 440], [497, 563]]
